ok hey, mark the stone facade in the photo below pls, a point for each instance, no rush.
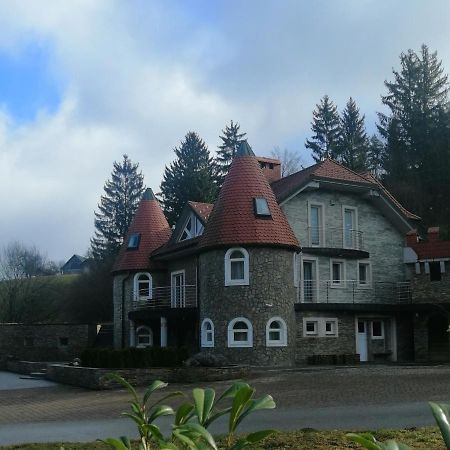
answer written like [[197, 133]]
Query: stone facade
[[45, 342], [271, 292]]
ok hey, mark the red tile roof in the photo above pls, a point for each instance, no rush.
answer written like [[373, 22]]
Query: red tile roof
[[152, 225], [202, 209], [369, 177], [431, 248], [233, 221]]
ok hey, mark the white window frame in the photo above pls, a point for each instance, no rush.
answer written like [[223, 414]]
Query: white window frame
[[368, 283], [282, 342], [321, 223], [315, 262], [341, 283], [296, 267], [204, 332], [243, 344], [172, 289], [149, 333], [136, 295], [355, 236], [227, 261], [371, 329], [320, 327], [197, 228]]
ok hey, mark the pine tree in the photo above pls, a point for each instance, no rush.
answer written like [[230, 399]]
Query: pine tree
[[231, 140], [375, 156], [117, 207], [326, 129], [190, 177], [417, 135], [353, 140]]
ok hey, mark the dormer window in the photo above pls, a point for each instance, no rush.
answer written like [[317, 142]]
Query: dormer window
[[133, 241], [261, 207], [192, 229]]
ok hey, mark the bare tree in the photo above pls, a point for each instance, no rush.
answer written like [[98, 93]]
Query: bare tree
[[290, 161]]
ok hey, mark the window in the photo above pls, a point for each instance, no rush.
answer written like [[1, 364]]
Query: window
[[295, 260], [63, 341], [142, 286], [316, 231], [364, 275], [337, 273], [207, 333], [236, 267], [240, 333], [276, 332], [133, 241], [435, 271], [309, 280], [144, 337], [320, 327], [377, 329], [350, 224], [261, 207], [178, 293], [193, 228]]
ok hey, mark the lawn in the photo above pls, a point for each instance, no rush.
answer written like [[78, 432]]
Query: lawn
[[417, 438]]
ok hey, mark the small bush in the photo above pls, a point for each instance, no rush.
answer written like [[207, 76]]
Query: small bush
[[134, 357]]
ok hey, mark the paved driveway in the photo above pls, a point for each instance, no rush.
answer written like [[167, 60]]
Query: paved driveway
[[329, 398], [11, 381]]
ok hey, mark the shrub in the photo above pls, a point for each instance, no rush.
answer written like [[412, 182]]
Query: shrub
[[134, 357]]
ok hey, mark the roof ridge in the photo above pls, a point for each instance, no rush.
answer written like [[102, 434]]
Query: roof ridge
[[343, 167]]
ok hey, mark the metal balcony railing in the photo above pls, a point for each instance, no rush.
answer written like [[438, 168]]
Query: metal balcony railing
[[351, 291], [166, 297], [334, 238]]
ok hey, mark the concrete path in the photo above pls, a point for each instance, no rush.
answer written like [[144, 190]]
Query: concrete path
[[331, 398], [10, 381]]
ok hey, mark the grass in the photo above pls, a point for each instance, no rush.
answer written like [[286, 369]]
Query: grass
[[416, 438]]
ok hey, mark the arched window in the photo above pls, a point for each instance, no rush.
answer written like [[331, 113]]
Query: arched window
[[236, 267], [144, 337], [240, 333], [207, 333], [142, 286], [276, 332]]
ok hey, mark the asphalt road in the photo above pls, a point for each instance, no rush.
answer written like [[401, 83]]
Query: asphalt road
[[338, 398]]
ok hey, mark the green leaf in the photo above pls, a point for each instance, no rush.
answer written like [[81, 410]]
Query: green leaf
[[442, 417], [240, 402], [196, 430], [231, 391], [215, 416], [259, 435], [184, 413], [159, 411], [265, 402], [138, 420], [125, 384], [117, 444], [203, 401], [157, 384], [367, 441]]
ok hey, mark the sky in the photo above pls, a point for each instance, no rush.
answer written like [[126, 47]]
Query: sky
[[85, 81]]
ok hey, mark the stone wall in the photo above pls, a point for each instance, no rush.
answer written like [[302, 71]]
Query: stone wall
[[270, 293], [425, 291], [93, 378], [343, 344], [45, 342]]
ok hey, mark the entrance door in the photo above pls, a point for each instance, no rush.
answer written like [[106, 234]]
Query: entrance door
[[361, 340], [438, 344]]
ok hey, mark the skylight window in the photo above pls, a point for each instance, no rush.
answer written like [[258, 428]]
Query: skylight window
[[133, 241], [262, 207]]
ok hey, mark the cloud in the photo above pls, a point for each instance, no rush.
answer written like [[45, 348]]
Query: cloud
[[135, 77]]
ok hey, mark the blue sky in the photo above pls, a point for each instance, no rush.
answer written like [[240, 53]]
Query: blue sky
[[83, 82]]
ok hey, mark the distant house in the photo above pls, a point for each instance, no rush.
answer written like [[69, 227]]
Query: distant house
[[75, 264], [278, 271]]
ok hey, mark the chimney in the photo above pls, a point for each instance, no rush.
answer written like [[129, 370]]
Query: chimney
[[271, 168], [412, 238], [433, 234]]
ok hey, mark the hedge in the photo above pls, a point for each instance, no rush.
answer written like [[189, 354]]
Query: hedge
[[134, 357]]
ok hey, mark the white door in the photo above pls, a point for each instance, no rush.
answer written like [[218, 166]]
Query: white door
[[178, 293], [361, 340]]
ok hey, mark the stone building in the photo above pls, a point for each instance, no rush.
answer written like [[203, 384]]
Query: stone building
[[277, 272], [428, 261]]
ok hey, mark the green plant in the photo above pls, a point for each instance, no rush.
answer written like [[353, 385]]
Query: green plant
[[191, 420], [441, 413]]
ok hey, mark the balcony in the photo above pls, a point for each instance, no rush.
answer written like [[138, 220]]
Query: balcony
[[166, 297], [335, 242], [351, 291]]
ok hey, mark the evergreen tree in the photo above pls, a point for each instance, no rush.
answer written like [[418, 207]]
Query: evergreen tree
[[231, 140], [417, 135], [117, 207], [190, 177], [353, 140], [375, 156], [326, 129]]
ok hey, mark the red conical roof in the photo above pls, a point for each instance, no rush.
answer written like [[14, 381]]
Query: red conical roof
[[151, 224], [233, 220]]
